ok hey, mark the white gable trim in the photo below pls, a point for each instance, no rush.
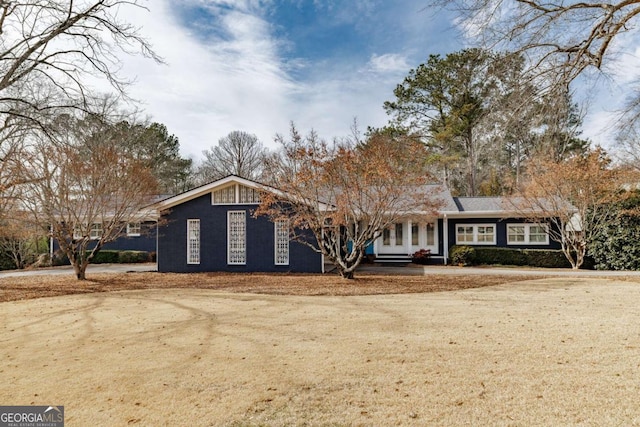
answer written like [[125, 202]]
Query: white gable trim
[[208, 189]]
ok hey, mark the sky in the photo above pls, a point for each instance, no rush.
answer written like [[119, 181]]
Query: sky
[[258, 65]]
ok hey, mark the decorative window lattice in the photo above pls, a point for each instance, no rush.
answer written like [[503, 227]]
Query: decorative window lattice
[[282, 242], [249, 195], [237, 237], [193, 241], [225, 195]]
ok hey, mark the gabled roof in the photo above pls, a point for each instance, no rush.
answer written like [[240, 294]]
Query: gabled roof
[[207, 189]]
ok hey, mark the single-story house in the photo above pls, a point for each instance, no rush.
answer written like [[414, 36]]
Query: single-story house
[[212, 228]]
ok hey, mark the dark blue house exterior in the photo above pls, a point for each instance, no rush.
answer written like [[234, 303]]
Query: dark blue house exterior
[[212, 228]]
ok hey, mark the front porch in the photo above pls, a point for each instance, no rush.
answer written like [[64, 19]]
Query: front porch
[[401, 240]]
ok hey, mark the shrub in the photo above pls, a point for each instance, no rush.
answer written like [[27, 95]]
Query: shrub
[[423, 256], [105, 257], [545, 258], [462, 255], [130, 257]]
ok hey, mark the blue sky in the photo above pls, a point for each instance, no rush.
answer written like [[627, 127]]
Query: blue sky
[[256, 65]]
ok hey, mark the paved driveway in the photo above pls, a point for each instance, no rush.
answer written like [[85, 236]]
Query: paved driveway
[[413, 270], [454, 270], [93, 268]]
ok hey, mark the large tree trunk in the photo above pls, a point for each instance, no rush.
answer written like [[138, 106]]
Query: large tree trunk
[[80, 268]]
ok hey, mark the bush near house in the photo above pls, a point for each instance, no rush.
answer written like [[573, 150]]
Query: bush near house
[[546, 258], [111, 257], [422, 257]]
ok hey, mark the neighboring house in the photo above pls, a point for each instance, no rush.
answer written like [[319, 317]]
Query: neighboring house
[[212, 228]]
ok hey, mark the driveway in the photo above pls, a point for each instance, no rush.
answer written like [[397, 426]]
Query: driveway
[[93, 268], [427, 270], [410, 269]]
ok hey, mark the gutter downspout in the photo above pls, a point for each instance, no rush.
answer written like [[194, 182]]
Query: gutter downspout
[[445, 225]]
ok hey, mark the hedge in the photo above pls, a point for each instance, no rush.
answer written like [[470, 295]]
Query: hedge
[[547, 258], [111, 257]]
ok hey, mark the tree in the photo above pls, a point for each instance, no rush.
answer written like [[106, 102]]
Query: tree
[[51, 52], [160, 152], [86, 186], [466, 106], [239, 153], [338, 198], [561, 40], [575, 196], [51, 55]]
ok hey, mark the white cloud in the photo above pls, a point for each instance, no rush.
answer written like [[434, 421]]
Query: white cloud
[[389, 62]]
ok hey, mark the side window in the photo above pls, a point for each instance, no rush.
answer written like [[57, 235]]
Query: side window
[[193, 241]]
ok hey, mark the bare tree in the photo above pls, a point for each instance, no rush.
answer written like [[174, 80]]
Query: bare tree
[[239, 153], [86, 186], [338, 198], [561, 40], [52, 52], [575, 196], [567, 37]]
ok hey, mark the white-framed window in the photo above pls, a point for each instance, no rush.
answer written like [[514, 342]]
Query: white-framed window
[[95, 232], [235, 194], [431, 234], [281, 230], [415, 234], [236, 237], [134, 229], [193, 241], [527, 234], [225, 196], [249, 195], [476, 234], [399, 237]]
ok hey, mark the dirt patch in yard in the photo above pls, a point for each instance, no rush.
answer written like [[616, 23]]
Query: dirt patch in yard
[[19, 288]]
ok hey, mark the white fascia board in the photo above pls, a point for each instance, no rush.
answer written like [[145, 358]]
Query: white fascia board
[[203, 190]]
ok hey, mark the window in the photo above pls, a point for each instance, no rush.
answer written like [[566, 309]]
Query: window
[[476, 234], [134, 229], [96, 231], [282, 242], [399, 228], [523, 234], [234, 194], [386, 237], [237, 238], [431, 234], [193, 241], [225, 196], [249, 195], [415, 234]]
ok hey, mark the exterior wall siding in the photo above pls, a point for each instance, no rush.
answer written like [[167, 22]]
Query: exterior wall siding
[[145, 242], [260, 241], [501, 232]]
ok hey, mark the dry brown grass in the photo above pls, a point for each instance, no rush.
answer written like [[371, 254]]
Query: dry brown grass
[[18, 288], [554, 351]]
